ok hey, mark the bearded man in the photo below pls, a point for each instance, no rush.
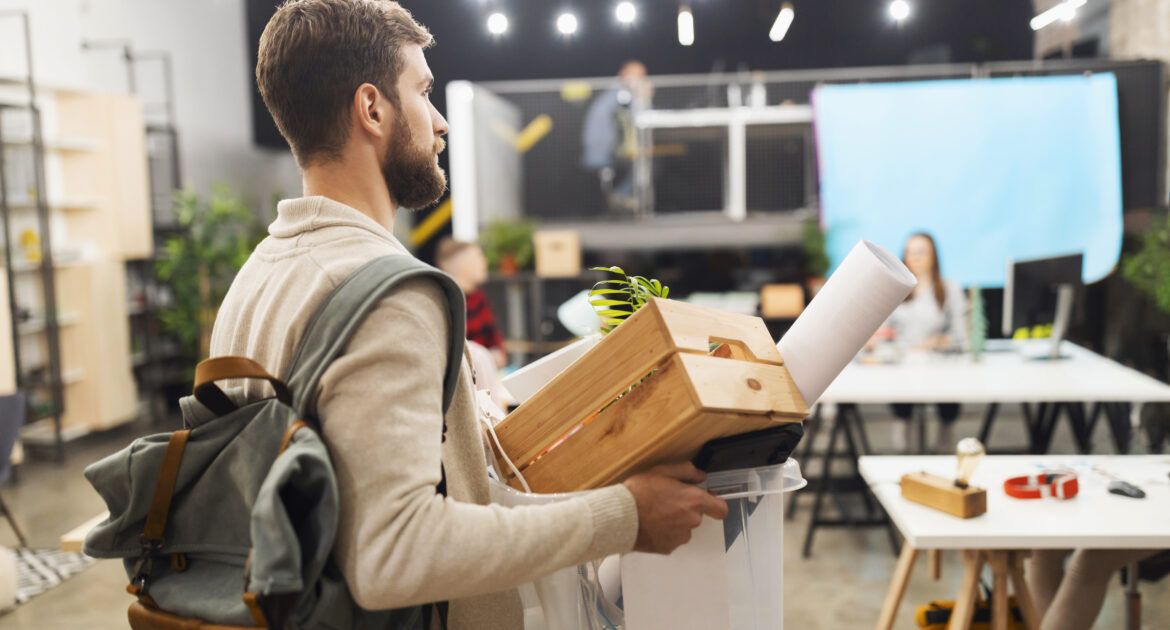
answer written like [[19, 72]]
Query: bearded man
[[349, 88]]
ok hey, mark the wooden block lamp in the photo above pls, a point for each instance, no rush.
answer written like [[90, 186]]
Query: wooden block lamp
[[953, 496]]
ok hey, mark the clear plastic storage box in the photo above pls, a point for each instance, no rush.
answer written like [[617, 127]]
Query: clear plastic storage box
[[744, 593]]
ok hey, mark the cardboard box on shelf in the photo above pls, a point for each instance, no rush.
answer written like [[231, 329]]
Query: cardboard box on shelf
[[558, 253]]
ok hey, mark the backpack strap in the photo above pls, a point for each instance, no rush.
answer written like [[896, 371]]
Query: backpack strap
[[339, 318], [154, 532], [347, 307]]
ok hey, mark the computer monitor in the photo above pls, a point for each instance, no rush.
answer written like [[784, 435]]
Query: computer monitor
[[1039, 292]]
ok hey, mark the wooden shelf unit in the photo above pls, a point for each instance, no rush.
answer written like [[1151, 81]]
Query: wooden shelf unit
[[98, 201]]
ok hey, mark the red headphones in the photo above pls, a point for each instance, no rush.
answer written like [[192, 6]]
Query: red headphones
[[1059, 484]]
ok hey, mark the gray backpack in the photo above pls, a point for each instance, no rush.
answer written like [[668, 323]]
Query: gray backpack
[[231, 521]]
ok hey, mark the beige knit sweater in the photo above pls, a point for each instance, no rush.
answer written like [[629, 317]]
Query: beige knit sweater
[[400, 543]]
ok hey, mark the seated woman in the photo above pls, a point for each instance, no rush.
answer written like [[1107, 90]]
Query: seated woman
[[931, 318]]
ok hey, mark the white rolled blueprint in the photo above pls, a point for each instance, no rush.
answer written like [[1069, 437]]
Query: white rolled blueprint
[[857, 299]]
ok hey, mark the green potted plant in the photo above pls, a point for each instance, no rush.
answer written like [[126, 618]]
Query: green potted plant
[[1148, 268], [614, 300], [816, 258], [621, 296], [199, 264], [507, 245]]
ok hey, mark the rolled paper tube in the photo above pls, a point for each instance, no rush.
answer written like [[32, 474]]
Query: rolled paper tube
[[857, 299]]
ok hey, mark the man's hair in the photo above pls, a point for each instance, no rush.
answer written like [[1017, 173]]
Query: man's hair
[[448, 248], [313, 56]]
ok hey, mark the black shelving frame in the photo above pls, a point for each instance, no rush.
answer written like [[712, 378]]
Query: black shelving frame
[[46, 268], [155, 362]]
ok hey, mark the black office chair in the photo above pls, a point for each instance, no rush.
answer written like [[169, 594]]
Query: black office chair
[[13, 410]]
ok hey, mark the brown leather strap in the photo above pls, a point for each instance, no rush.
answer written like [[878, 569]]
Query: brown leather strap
[[292, 429], [224, 368], [254, 609], [147, 616], [164, 488]]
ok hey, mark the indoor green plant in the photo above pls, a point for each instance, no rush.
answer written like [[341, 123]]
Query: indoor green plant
[[621, 296], [199, 263], [1148, 268], [816, 258], [507, 245]]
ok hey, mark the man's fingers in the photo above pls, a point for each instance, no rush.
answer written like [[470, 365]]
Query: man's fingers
[[684, 472], [714, 507]]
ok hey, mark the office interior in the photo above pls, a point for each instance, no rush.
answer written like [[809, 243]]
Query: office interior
[[1012, 154]]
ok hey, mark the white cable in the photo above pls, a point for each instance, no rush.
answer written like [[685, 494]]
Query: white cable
[[486, 418]]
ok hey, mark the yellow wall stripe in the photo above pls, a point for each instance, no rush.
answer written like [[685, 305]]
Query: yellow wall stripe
[[534, 132], [525, 140], [432, 224]]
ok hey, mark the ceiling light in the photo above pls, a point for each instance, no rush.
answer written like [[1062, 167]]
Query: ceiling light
[[783, 21], [686, 26], [566, 24], [626, 12], [1065, 11], [899, 10], [497, 24]]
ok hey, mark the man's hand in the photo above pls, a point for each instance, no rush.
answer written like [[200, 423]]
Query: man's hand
[[670, 506]]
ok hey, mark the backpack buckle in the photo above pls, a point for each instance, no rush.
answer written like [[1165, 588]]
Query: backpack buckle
[[144, 565]]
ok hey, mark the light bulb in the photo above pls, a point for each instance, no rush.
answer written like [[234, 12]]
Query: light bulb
[[899, 10], [567, 23], [968, 454], [497, 24], [686, 26], [626, 12], [782, 23]]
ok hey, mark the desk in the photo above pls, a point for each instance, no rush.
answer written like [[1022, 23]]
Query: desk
[[1045, 390], [1006, 377], [1002, 376], [1095, 519]]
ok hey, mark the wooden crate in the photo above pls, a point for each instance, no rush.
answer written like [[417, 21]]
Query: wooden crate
[[689, 398]]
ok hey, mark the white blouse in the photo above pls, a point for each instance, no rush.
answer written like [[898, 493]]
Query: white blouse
[[918, 319]]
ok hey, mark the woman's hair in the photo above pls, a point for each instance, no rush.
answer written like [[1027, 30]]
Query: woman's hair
[[940, 292]]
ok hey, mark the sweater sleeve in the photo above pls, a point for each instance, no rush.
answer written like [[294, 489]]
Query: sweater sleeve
[[399, 542]]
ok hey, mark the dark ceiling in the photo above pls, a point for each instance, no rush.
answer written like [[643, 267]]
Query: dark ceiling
[[729, 35]]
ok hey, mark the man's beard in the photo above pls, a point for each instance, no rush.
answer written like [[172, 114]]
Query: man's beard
[[413, 175]]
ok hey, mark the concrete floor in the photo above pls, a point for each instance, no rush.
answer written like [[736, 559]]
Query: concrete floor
[[841, 586]]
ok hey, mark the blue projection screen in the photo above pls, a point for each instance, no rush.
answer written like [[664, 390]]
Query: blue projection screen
[[995, 169]]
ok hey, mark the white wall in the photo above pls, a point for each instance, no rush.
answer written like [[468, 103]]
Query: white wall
[[212, 73]]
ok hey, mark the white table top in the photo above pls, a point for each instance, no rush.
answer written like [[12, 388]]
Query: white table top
[[1004, 377], [1094, 519]]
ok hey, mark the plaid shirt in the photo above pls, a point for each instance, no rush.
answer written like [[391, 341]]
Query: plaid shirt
[[481, 324]]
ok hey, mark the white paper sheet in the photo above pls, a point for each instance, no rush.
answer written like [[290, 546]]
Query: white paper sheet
[[528, 380], [687, 589], [857, 299]]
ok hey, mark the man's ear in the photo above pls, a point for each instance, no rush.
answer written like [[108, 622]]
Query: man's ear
[[372, 113]]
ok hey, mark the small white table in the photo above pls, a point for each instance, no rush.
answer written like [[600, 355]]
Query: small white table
[[1095, 519]]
